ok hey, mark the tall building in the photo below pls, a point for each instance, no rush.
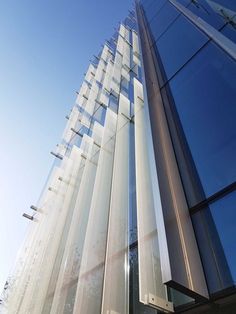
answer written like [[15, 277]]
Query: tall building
[[138, 214]]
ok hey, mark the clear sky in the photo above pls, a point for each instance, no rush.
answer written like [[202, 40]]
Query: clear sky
[[45, 50]]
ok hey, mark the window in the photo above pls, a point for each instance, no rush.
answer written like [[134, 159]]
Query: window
[[207, 10], [152, 9], [230, 30], [167, 14], [178, 44], [204, 94], [215, 231]]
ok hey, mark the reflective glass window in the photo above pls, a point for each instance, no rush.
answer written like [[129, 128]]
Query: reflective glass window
[[113, 103], [124, 86], [207, 10], [178, 44], [152, 9], [215, 231], [204, 94], [230, 31], [162, 20], [99, 115], [229, 4], [146, 3], [217, 13]]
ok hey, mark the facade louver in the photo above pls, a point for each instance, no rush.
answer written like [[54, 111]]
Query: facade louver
[[138, 214]]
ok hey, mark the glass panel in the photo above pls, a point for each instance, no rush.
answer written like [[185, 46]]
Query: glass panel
[[136, 307], [99, 115], [216, 13], [25, 277], [64, 297], [113, 103], [152, 291], [61, 208], [146, 3], [215, 230], [207, 11], [124, 88], [204, 94], [162, 20], [229, 4], [175, 50], [116, 278], [230, 31], [90, 284], [75, 181], [132, 190], [151, 10]]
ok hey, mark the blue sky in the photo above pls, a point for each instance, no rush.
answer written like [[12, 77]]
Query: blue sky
[[45, 50]]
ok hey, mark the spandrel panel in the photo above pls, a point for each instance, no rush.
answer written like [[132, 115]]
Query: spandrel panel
[[116, 278], [150, 277], [89, 290]]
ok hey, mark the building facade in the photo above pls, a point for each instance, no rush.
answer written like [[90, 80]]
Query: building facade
[[138, 213]]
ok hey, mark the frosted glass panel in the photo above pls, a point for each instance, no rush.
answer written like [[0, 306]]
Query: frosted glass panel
[[89, 290], [116, 279], [35, 297], [63, 301], [151, 289], [135, 43]]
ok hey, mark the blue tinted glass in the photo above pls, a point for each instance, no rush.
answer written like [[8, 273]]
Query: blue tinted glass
[[99, 115], [124, 87], [162, 20], [178, 44], [151, 10], [228, 4], [216, 232], [230, 31], [146, 3], [224, 216], [113, 103], [204, 94], [207, 10]]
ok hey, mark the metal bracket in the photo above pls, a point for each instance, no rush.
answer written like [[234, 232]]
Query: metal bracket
[[76, 132], [131, 119], [28, 216], [159, 303], [56, 155], [34, 208]]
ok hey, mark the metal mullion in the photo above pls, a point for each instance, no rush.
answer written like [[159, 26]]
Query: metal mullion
[[213, 198], [223, 42]]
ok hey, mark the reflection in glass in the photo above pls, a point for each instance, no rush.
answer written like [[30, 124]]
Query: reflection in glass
[[152, 9], [162, 20], [204, 94], [175, 50], [215, 231]]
